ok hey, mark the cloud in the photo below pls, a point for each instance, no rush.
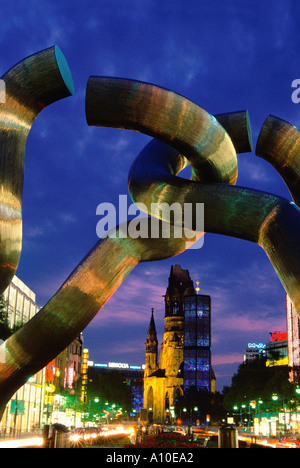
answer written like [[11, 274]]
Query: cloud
[[249, 325], [132, 302], [221, 359]]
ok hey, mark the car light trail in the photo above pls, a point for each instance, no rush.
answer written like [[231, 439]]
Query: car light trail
[[19, 443]]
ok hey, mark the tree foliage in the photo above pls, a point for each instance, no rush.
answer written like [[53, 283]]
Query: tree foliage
[[207, 403], [109, 387], [255, 380], [5, 330]]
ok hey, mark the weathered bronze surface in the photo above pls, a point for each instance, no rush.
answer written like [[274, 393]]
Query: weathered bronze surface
[[31, 85], [279, 144], [163, 114], [268, 220], [183, 134]]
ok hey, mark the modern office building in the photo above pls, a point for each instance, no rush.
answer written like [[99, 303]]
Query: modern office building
[[277, 349], [283, 349], [254, 351], [185, 356], [197, 342], [37, 402], [132, 374], [23, 412], [21, 302]]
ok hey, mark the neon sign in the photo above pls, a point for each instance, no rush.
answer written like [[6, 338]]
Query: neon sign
[[278, 336], [256, 346], [117, 365], [84, 371]]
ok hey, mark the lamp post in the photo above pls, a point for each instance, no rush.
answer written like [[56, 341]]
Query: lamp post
[[275, 398], [243, 406], [235, 408], [252, 405], [196, 411]]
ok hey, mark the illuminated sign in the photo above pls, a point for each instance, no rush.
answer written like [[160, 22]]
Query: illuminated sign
[[84, 371], [256, 346], [70, 377], [278, 336], [278, 362], [293, 330], [50, 388], [119, 365], [50, 371]]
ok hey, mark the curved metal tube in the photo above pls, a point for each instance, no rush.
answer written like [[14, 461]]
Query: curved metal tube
[[75, 304], [273, 222], [279, 144], [92, 283], [31, 85], [163, 114], [270, 221], [265, 219]]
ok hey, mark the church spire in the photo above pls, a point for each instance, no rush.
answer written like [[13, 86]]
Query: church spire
[[151, 336], [151, 346]]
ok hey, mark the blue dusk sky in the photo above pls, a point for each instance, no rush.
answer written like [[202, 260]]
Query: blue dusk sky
[[223, 55]]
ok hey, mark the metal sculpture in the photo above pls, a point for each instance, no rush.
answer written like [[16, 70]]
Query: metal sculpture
[[30, 86], [268, 220], [184, 133]]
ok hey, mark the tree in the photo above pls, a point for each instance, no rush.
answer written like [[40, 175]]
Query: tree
[[255, 380], [207, 403], [5, 330], [109, 387]]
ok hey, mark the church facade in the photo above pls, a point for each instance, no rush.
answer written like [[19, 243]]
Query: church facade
[[185, 357]]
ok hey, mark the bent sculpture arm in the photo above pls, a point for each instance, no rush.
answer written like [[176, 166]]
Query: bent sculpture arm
[[279, 144], [270, 221], [186, 133], [96, 278], [30, 86]]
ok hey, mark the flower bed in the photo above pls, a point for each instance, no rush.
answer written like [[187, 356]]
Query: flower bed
[[165, 441]]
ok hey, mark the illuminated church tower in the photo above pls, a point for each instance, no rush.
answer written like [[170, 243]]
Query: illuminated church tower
[[184, 358], [151, 348]]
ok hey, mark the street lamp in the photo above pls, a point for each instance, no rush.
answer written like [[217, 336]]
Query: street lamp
[[196, 411]]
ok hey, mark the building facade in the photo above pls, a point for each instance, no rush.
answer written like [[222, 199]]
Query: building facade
[[36, 403], [133, 375], [21, 302], [197, 342], [293, 336], [24, 411], [255, 351], [61, 377], [185, 356]]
